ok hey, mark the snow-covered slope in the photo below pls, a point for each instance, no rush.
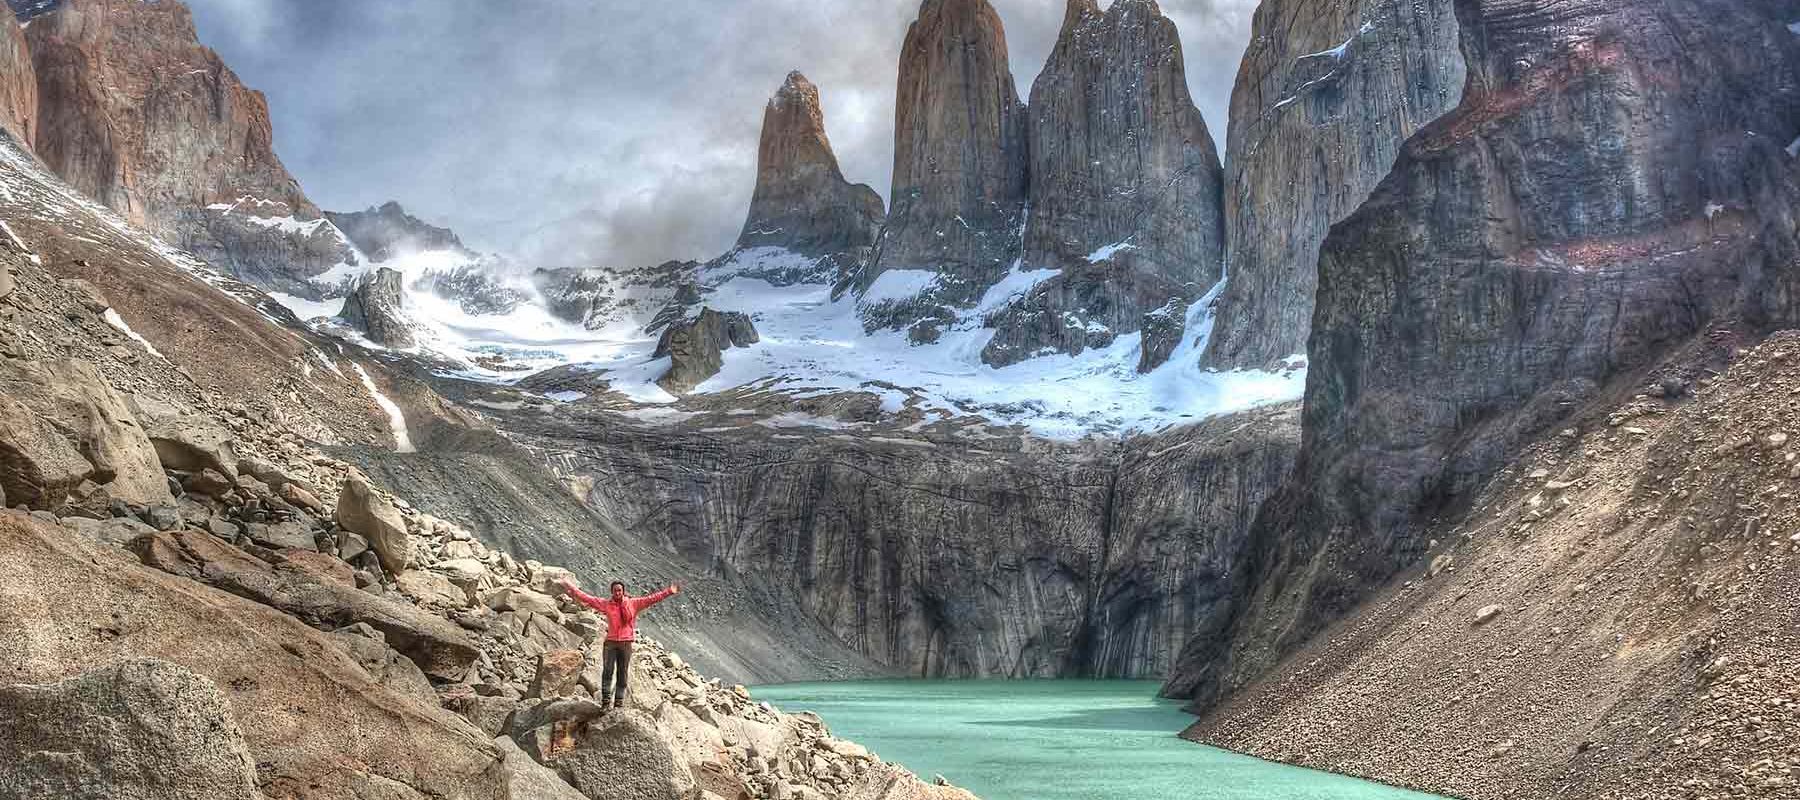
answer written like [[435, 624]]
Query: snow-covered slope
[[813, 343]]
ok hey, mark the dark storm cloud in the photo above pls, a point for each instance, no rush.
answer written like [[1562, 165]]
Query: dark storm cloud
[[601, 131]]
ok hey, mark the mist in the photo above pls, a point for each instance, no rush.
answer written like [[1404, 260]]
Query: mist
[[565, 132]]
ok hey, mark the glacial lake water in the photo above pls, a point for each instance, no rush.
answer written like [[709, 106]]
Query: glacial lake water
[[1054, 740]]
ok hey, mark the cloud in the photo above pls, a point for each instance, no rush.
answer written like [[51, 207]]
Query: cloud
[[635, 124]]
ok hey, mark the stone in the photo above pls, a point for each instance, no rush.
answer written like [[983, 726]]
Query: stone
[[515, 598], [319, 565], [488, 713], [1487, 614], [369, 648], [431, 589], [1297, 94], [438, 647], [281, 535], [623, 757], [557, 671], [188, 155], [299, 497], [208, 482], [141, 728], [1126, 187], [114, 532], [801, 201], [38, 466], [961, 159], [361, 511], [374, 306], [351, 545], [305, 710], [549, 580], [695, 347], [74, 397], [526, 778], [467, 573]]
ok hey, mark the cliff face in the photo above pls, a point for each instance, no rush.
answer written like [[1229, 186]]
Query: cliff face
[[1327, 92], [1125, 185], [1587, 208], [802, 201], [960, 162], [136, 114], [18, 83], [939, 557]]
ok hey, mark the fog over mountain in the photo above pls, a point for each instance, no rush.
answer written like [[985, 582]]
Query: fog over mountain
[[623, 134]]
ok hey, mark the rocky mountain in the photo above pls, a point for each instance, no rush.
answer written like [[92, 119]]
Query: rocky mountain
[[1125, 186], [960, 165], [375, 306], [1327, 92], [1513, 269], [383, 232], [18, 84], [135, 113], [802, 202]]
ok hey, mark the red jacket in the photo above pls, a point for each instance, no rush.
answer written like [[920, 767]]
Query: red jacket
[[621, 617]]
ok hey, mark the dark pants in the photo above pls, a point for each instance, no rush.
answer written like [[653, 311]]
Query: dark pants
[[615, 669]]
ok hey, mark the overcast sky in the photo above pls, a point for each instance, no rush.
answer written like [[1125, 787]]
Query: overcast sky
[[602, 131]]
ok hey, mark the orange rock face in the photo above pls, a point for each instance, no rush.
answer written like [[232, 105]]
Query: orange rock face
[[18, 85], [802, 201]]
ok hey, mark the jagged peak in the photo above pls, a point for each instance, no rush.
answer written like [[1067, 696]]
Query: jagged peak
[[1079, 11], [796, 89]]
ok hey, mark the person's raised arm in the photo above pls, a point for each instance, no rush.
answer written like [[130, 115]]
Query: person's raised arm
[[582, 597], [641, 603]]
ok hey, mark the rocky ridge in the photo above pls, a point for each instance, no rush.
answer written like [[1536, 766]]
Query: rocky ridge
[[1627, 582], [120, 87], [1456, 321], [1125, 186]]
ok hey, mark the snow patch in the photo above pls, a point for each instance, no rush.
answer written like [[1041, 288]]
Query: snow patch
[[112, 318], [899, 284], [1713, 209], [567, 397], [1106, 253], [396, 418], [19, 243]]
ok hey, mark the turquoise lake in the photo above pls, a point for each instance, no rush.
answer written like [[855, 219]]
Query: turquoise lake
[[1054, 740]]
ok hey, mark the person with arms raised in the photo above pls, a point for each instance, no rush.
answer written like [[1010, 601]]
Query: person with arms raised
[[621, 611]]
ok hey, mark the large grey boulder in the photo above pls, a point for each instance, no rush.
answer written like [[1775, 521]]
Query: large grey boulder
[[369, 648], [374, 306], [526, 779], [38, 466], [438, 647], [141, 729], [695, 347], [622, 756], [186, 440], [72, 396], [360, 510]]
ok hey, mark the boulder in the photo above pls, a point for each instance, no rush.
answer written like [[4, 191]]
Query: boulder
[[208, 482], [892, 782], [622, 756], [72, 396], [319, 565], [431, 589], [557, 671], [361, 511], [297, 495], [38, 466], [368, 647], [490, 714], [437, 646], [514, 598], [281, 535], [114, 532], [313, 718], [187, 441], [141, 729], [695, 347], [374, 307], [526, 778]]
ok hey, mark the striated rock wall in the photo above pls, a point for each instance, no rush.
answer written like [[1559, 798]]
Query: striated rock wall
[[1125, 185], [18, 83], [136, 114], [943, 557], [960, 163], [1587, 208], [1327, 92], [802, 201]]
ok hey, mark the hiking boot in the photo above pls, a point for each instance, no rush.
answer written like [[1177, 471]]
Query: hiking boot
[[619, 703], [606, 704]]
